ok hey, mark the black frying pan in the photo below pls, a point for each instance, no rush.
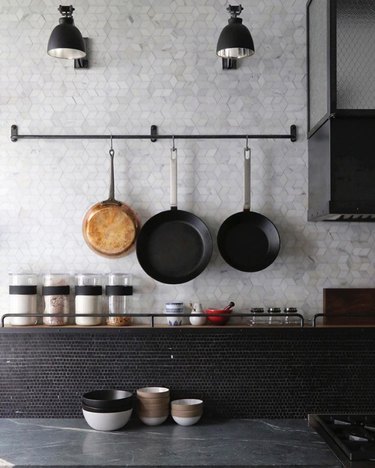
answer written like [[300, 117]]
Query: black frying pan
[[174, 246], [248, 241]]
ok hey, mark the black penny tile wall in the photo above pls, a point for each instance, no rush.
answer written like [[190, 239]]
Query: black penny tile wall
[[252, 373]]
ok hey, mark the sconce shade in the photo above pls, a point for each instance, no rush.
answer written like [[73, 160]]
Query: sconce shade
[[235, 41], [66, 41]]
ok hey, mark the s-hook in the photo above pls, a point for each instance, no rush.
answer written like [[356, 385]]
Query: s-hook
[[111, 151]]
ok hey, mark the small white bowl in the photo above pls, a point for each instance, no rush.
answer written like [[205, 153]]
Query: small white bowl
[[107, 421], [153, 421], [189, 421]]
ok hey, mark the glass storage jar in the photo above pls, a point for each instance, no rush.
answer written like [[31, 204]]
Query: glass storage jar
[[256, 320], [23, 298], [119, 290], [56, 294], [275, 317], [288, 317], [88, 300]]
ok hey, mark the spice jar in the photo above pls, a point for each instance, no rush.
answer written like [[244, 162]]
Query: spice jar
[[23, 298], [55, 292], [88, 301], [118, 290]]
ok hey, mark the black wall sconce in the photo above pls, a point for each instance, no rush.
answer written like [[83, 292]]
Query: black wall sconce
[[66, 40], [235, 41]]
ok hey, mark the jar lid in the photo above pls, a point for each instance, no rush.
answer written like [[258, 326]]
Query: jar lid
[[290, 310]]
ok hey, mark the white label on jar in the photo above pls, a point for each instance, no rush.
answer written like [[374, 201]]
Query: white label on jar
[[23, 304], [88, 305]]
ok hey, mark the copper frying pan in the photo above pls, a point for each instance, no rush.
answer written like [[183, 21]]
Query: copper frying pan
[[110, 227]]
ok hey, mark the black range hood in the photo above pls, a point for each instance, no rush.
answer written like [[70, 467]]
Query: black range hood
[[341, 110]]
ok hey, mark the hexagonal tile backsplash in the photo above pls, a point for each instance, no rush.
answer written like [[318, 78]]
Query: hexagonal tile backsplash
[[154, 63]]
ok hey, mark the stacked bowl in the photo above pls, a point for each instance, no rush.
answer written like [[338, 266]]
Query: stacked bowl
[[187, 412], [173, 311], [107, 410], [153, 405]]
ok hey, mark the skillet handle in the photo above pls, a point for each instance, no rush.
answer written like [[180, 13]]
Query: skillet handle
[[173, 178], [247, 177], [112, 178]]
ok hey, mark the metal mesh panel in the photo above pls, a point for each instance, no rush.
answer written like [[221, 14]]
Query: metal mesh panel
[[356, 54], [318, 58]]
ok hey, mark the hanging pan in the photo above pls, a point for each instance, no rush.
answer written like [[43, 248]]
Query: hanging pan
[[248, 241], [110, 227], [174, 246]]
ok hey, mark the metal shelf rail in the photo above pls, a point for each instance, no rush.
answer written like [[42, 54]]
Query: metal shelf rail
[[278, 316]]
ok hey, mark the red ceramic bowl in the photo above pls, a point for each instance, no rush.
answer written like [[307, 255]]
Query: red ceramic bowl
[[225, 315]]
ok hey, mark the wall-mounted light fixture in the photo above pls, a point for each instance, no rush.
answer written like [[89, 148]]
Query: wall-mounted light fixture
[[66, 40], [235, 41]]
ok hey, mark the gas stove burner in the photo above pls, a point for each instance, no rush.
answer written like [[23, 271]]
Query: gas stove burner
[[341, 422], [356, 438]]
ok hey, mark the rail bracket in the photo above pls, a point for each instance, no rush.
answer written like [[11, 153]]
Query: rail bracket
[[14, 133], [154, 133], [293, 133]]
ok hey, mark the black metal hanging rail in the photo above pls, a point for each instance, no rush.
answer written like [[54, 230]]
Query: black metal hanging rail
[[153, 136]]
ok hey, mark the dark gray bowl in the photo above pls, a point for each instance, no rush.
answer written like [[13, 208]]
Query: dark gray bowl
[[108, 400], [98, 410]]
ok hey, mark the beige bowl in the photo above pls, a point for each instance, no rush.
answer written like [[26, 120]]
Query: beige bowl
[[153, 401], [187, 404], [153, 393], [142, 407], [197, 412], [161, 414], [155, 408], [153, 413]]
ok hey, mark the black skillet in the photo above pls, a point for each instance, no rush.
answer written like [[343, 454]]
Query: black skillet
[[174, 246], [248, 241]]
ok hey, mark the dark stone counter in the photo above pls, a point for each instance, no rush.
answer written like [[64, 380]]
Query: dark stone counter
[[235, 442]]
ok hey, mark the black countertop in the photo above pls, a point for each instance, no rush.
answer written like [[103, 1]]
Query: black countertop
[[235, 442]]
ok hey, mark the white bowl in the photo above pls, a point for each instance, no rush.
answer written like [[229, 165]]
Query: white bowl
[[107, 421], [153, 421], [186, 421]]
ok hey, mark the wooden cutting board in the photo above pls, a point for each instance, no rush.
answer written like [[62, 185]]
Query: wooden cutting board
[[356, 301]]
